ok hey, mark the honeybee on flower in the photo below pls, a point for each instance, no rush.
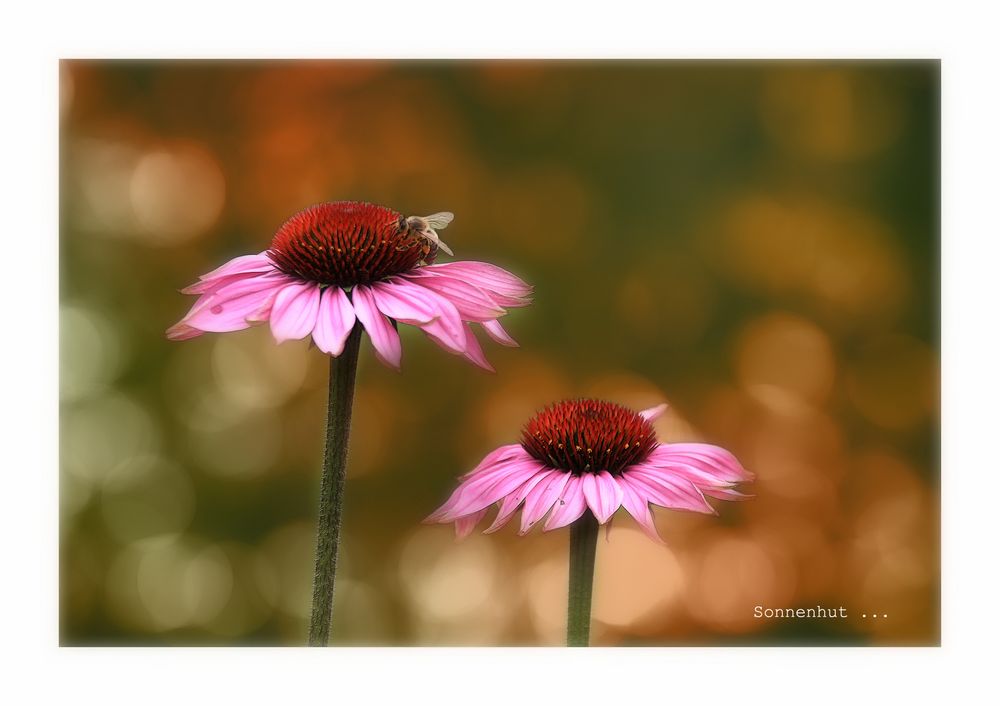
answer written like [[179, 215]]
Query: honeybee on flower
[[425, 228]]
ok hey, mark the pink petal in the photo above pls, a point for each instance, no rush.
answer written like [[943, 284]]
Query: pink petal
[[263, 312], [507, 452], [419, 306], [210, 286], [483, 275], [241, 268], [447, 330], [242, 264], [541, 498], [474, 352], [469, 348], [499, 334], [384, 338], [403, 305], [713, 459], [486, 489], [653, 413], [228, 308], [465, 525], [472, 303], [334, 321], [182, 332], [511, 502], [508, 302], [293, 313], [668, 491], [238, 287], [570, 506], [689, 470], [725, 494], [602, 494], [635, 502]]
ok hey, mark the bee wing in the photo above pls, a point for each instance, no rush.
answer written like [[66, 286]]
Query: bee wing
[[440, 220], [432, 236], [440, 244]]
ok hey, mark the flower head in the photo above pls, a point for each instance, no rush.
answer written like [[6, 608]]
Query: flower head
[[581, 454], [338, 263]]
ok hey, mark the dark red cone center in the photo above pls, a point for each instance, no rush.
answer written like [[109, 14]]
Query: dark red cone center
[[344, 243], [588, 436]]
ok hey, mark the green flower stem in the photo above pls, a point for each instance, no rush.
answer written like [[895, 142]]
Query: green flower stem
[[582, 552], [343, 370]]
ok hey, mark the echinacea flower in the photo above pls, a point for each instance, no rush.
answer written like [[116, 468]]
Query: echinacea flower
[[581, 454], [333, 271], [577, 463], [336, 263]]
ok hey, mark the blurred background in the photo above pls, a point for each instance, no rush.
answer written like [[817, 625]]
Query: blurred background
[[754, 243]]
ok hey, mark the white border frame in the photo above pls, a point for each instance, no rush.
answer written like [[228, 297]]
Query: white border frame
[[962, 34]]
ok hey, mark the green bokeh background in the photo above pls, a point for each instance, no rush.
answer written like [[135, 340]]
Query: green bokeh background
[[755, 243]]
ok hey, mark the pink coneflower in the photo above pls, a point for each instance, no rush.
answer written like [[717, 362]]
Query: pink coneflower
[[577, 463], [333, 271], [335, 264], [582, 454]]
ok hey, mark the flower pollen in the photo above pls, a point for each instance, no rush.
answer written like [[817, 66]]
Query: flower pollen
[[344, 243], [588, 436]]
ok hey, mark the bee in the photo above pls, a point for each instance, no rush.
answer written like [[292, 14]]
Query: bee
[[425, 229]]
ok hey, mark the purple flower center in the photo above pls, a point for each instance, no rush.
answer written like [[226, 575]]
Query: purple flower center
[[588, 436], [345, 243]]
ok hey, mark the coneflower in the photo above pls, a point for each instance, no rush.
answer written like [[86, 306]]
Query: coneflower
[[333, 271], [577, 463]]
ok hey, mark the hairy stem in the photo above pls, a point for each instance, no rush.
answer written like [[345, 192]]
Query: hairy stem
[[331, 490], [582, 552]]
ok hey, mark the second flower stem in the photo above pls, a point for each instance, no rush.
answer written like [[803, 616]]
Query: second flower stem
[[343, 371], [582, 552]]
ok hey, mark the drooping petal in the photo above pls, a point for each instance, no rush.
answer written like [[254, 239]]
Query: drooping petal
[[210, 286], [499, 334], [412, 304], [334, 321], [474, 351], [293, 313], [713, 459], [513, 500], [725, 494], [446, 329], [690, 470], [182, 332], [507, 452], [239, 286], [635, 502], [240, 268], [602, 494], [385, 339], [508, 302], [228, 308], [472, 303], [541, 498], [242, 264], [488, 486], [402, 304], [568, 508], [262, 313], [469, 348], [486, 489], [483, 275], [653, 413], [465, 525], [668, 491]]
